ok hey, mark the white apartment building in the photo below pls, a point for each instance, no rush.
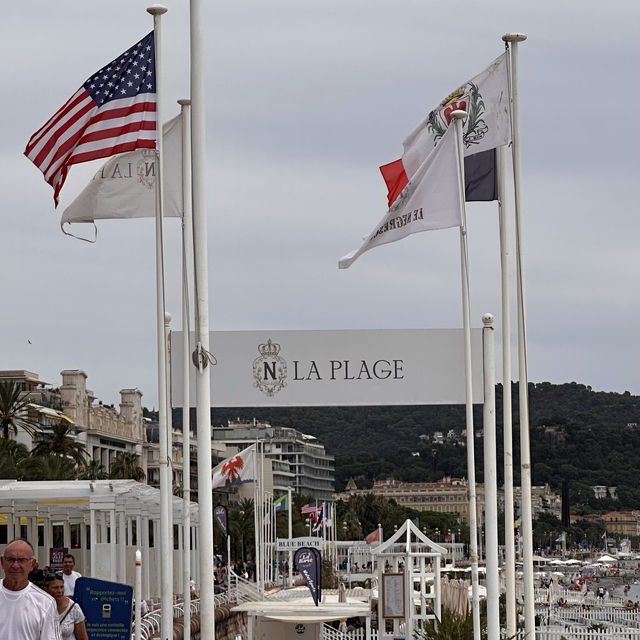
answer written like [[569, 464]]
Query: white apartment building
[[297, 460]]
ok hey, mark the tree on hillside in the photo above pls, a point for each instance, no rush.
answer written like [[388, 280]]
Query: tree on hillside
[[60, 441], [13, 410], [125, 467]]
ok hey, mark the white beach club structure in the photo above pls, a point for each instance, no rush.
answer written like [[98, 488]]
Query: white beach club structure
[[110, 520]]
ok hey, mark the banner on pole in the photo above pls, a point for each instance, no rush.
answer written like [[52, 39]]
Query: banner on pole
[[221, 517], [334, 368]]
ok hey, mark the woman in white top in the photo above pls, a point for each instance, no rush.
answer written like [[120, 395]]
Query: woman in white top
[[70, 614]]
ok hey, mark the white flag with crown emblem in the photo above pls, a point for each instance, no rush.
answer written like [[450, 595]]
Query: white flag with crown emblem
[[485, 98], [235, 470], [431, 200], [124, 187]]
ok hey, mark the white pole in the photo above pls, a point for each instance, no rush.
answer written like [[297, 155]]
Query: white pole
[[112, 544], [93, 539], [507, 426], [187, 235], [166, 588], [203, 357], [526, 523], [490, 479], [466, 322], [168, 493], [138, 595], [290, 534]]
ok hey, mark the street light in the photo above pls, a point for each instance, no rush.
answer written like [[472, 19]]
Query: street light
[[437, 534]]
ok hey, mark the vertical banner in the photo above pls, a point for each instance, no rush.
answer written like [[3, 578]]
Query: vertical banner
[[220, 515], [307, 562], [318, 557]]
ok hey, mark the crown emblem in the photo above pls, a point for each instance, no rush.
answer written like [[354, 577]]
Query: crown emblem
[[269, 369], [269, 349]]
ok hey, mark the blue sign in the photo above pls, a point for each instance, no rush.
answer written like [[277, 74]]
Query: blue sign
[[107, 608]]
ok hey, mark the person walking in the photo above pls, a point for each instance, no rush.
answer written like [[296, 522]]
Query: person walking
[[70, 616], [26, 611], [69, 575]]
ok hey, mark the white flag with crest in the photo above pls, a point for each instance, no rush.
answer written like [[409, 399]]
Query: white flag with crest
[[431, 200], [235, 470], [125, 186]]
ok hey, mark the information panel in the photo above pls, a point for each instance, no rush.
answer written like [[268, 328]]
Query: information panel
[[334, 368], [107, 608], [393, 595]]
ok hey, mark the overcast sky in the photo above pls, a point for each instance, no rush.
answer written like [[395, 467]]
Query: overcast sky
[[305, 99]]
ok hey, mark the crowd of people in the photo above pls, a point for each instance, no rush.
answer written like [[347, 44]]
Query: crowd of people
[[36, 604]]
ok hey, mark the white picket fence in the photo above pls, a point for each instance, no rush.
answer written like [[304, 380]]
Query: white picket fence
[[570, 632], [620, 617], [329, 633]]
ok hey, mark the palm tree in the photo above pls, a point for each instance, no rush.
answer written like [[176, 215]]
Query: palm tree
[[11, 453], [92, 470], [125, 467], [61, 442], [47, 467], [13, 410]]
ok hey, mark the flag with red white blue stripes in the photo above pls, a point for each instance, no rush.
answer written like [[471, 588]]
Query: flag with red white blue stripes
[[114, 111]]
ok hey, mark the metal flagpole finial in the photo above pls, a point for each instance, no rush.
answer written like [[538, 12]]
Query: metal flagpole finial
[[458, 114], [157, 9], [487, 319], [514, 37]]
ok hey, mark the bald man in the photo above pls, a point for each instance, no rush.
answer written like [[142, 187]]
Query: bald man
[[26, 612]]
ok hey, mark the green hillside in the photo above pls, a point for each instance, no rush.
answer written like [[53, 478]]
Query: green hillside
[[586, 437]]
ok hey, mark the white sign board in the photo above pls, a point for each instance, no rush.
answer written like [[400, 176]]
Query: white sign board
[[334, 368], [286, 544]]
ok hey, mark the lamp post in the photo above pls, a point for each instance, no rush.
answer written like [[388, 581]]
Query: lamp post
[[437, 534]]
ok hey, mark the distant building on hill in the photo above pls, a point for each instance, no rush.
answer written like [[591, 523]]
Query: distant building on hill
[[543, 500], [602, 491], [622, 523], [448, 495]]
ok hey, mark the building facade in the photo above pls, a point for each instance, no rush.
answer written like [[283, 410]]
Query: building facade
[[448, 495], [298, 461], [101, 429]]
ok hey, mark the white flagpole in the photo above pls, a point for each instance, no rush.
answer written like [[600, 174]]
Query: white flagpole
[[202, 356], [490, 479], [526, 523], [507, 425], [166, 624], [290, 531], [466, 322], [187, 235]]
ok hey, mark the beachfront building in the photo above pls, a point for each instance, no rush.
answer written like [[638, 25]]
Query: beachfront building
[[103, 430], [448, 495], [298, 461], [543, 500], [622, 523]]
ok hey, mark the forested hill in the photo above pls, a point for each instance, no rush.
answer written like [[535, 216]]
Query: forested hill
[[587, 437]]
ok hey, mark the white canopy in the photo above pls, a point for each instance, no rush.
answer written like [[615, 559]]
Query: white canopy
[[606, 558]]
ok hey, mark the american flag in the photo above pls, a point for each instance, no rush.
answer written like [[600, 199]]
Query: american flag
[[112, 112], [310, 508]]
